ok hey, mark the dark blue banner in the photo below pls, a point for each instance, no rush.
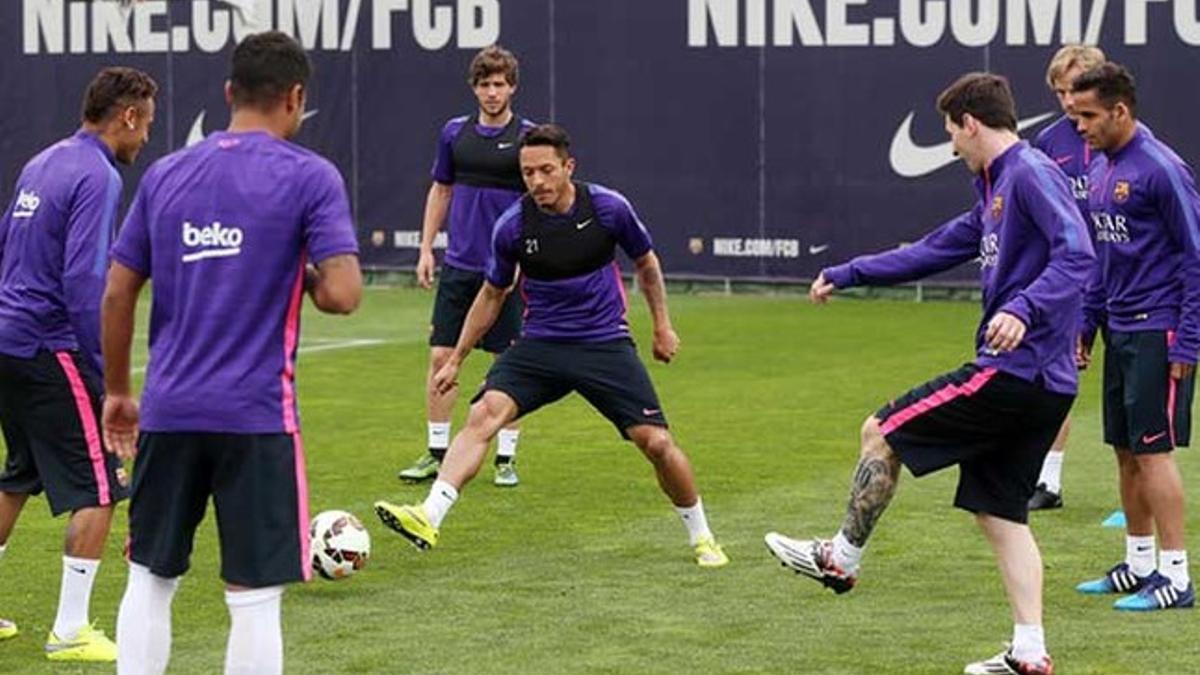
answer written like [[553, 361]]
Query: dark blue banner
[[757, 138]]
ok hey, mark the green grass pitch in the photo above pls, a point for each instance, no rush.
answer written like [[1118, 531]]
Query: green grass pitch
[[585, 568]]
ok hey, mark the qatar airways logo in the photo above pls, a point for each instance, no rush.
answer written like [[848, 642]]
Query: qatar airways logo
[[1109, 228], [989, 250], [213, 241]]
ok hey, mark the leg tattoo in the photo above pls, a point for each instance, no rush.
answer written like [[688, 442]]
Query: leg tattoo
[[874, 484]]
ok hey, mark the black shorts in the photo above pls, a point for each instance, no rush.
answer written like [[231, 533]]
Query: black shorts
[[1144, 409], [258, 485], [609, 375], [456, 291], [995, 426], [50, 412]]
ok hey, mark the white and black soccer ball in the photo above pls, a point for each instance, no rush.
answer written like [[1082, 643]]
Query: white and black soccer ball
[[340, 544]]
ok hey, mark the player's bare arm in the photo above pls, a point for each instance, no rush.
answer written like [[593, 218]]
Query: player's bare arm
[[480, 318], [335, 285], [650, 280], [437, 205], [120, 417]]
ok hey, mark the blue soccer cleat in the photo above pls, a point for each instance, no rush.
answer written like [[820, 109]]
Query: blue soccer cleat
[[1119, 579], [1158, 593]]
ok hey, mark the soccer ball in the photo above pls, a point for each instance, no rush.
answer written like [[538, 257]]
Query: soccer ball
[[340, 544]]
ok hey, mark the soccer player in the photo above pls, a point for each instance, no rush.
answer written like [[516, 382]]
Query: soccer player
[[1146, 215], [476, 176], [53, 253], [224, 229], [1035, 258], [563, 235], [1062, 143]]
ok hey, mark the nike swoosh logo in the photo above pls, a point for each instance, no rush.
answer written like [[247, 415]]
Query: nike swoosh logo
[[504, 146], [196, 133], [1148, 439], [650, 412], [911, 160], [818, 250], [1063, 160], [580, 226], [80, 570]]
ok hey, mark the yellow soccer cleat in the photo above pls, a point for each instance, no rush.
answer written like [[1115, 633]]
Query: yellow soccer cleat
[[8, 629], [88, 645], [709, 553], [410, 521]]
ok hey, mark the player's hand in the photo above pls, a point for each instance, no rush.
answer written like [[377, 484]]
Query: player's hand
[[1004, 332], [821, 290], [1180, 371], [425, 265], [666, 344], [446, 378], [1083, 353], [120, 421]]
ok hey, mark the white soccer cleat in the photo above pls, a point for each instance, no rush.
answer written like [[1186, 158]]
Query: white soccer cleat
[[811, 557]]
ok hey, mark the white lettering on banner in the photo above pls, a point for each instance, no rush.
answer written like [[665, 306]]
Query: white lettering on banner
[[738, 247], [412, 239], [924, 23], [159, 26]]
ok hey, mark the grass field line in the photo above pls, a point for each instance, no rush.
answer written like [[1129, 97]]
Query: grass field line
[[322, 347]]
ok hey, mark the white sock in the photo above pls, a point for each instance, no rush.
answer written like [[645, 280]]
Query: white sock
[[695, 521], [3, 548], [439, 435], [1139, 554], [506, 443], [846, 555], [1029, 642], [1174, 566], [1051, 475], [441, 497], [144, 623], [75, 595], [255, 635]]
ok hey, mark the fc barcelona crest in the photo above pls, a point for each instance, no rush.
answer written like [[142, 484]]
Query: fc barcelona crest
[[1121, 191], [997, 207]]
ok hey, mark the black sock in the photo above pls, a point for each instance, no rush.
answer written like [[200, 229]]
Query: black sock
[[501, 460], [438, 453]]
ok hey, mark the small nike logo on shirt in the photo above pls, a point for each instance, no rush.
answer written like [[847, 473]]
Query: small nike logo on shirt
[[1148, 439], [503, 146], [1063, 160], [580, 226], [818, 249], [650, 412]]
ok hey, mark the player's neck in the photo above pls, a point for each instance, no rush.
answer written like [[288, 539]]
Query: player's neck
[[996, 143], [567, 202], [250, 119], [100, 132], [500, 120], [1127, 136]]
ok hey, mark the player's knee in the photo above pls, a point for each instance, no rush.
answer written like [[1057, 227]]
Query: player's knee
[[872, 436], [438, 356], [654, 442], [489, 414]]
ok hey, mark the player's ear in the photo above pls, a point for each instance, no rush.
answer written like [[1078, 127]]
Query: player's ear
[[129, 117], [229, 93], [295, 97], [569, 165]]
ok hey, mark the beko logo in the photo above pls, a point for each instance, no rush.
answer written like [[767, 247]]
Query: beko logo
[[213, 241]]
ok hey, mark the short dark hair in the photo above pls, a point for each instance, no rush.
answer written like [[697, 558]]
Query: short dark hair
[[548, 135], [265, 68], [1113, 84], [115, 88], [985, 96], [492, 60]]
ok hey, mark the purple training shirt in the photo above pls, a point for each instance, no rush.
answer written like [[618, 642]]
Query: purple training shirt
[[1145, 214], [223, 229], [473, 209], [586, 308], [54, 241], [1035, 259]]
